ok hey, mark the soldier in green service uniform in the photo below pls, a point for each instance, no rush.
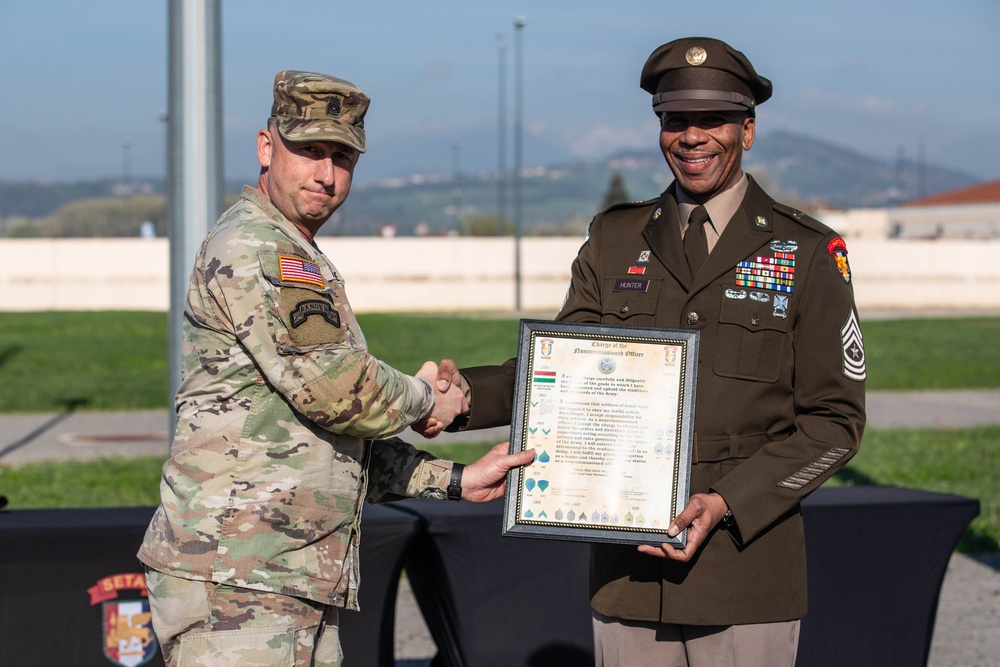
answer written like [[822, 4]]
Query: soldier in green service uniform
[[780, 402], [284, 421]]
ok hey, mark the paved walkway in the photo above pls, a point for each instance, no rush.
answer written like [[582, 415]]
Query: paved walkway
[[966, 634]]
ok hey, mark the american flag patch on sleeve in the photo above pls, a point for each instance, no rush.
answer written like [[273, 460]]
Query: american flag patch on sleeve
[[295, 269]]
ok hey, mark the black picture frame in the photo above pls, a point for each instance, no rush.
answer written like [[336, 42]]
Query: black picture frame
[[609, 411]]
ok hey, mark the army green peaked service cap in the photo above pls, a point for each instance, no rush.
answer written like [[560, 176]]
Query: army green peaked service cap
[[702, 74], [318, 107]]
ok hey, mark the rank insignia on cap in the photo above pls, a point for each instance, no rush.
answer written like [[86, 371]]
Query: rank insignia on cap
[[838, 249], [298, 270], [637, 270]]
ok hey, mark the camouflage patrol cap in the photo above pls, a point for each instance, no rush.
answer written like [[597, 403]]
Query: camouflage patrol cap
[[702, 74], [318, 107]]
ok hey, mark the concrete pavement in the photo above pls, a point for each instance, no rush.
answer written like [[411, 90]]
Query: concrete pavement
[[79, 435], [966, 634]]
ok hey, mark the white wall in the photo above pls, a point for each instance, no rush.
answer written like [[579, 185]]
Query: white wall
[[465, 274]]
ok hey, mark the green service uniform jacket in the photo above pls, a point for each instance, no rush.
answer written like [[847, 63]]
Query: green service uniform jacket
[[279, 416], [780, 400]]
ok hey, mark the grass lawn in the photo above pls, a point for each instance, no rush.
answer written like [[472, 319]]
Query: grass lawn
[[960, 461], [53, 362], [118, 360]]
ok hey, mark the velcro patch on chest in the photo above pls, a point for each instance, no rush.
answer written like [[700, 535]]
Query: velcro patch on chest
[[311, 317], [298, 270]]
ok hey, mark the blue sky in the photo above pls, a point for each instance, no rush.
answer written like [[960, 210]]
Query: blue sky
[[874, 76]]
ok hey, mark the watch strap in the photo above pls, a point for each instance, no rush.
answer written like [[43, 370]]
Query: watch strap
[[455, 482]]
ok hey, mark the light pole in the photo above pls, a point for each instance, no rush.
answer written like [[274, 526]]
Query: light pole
[[126, 162], [456, 184], [519, 24], [194, 155], [501, 133], [126, 188]]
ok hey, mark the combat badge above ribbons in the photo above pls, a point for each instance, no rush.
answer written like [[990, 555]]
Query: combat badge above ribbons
[[838, 249]]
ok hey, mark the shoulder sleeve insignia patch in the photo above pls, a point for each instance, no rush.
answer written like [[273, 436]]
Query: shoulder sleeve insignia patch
[[298, 270], [838, 249]]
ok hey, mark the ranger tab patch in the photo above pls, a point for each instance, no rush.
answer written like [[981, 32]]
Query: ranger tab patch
[[309, 307], [298, 270]]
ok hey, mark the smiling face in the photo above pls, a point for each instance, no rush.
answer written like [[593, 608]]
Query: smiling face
[[704, 149], [306, 180]]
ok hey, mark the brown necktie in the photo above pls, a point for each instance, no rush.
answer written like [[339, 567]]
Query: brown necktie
[[695, 242]]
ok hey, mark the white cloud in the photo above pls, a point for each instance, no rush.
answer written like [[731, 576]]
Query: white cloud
[[599, 140]]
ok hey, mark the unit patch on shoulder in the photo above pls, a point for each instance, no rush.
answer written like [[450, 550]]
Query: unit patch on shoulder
[[854, 349], [298, 270], [838, 249]]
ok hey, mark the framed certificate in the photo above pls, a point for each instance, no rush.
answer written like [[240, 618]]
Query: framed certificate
[[609, 411]]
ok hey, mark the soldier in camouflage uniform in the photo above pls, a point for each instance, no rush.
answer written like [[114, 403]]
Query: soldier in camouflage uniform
[[282, 415]]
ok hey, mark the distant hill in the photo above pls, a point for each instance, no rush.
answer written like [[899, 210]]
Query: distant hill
[[36, 199], [793, 168], [816, 171], [561, 199]]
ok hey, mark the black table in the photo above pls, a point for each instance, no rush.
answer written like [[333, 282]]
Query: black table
[[493, 600], [877, 557], [51, 559], [876, 560]]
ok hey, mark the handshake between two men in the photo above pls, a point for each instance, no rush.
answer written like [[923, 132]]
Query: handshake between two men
[[700, 517]]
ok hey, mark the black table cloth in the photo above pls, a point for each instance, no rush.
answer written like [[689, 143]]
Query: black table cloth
[[70, 583], [876, 561], [62, 573]]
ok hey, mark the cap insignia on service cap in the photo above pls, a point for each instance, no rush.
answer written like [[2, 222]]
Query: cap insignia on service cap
[[695, 56]]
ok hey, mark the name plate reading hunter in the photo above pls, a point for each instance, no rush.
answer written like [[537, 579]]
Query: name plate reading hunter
[[609, 411]]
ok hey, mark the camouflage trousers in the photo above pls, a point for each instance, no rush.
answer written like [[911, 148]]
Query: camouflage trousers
[[202, 624]]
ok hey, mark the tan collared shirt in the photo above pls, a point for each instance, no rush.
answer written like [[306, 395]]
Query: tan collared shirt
[[721, 209]]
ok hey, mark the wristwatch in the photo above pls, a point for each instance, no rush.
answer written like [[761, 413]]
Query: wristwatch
[[455, 483]]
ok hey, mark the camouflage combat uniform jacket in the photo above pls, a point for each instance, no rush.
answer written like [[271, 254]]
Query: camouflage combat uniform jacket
[[272, 455]]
